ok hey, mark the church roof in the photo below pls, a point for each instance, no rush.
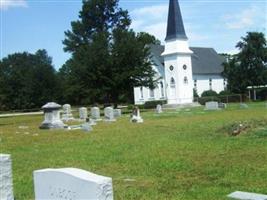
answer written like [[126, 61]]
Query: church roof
[[175, 27], [204, 60]]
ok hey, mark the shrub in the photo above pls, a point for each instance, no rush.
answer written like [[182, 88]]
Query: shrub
[[153, 104], [225, 92], [203, 100], [209, 93]]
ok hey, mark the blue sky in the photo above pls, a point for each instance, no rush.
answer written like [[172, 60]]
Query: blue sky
[[29, 25]]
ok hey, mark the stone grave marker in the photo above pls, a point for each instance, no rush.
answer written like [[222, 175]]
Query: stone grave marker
[[117, 113], [159, 109], [243, 106], [109, 114], [212, 105], [247, 196], [71, 183], [83, 113], [52, 117], [95, 114], [136, 117], [6, 184], [222, 105], [66, 114]]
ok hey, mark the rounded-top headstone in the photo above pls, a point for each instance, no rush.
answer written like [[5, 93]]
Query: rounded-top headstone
[[83, 113], [95, 113]]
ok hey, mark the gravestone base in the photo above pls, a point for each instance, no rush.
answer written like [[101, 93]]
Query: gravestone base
[[137, 120], [58, 125], [110, 120], [67, 117]]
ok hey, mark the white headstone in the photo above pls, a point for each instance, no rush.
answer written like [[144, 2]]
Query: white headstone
[[136, 117], [71, 183], [109, 114], [52, 117], [212, 105], [66, 114], [222, 105], [159, 109], [6, 184], [117, 113], [247, 196], [243, 105], [95, 114], [83, 113]]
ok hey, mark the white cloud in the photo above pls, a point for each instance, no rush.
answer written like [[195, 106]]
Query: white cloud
[[151, 19], [6, 4], [244, 19]]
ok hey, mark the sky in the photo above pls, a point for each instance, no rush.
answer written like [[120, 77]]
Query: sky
[[29, 25]]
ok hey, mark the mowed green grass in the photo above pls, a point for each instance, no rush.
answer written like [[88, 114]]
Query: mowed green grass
[[175, 155]]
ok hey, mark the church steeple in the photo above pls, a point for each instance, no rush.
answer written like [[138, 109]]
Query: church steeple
[[175, 28]]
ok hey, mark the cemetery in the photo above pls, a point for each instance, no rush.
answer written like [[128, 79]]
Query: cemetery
[[185, 153], [126, 116]]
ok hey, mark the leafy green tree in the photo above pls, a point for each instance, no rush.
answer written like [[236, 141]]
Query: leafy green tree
[[249, 66], [108, 58], [27, 80]]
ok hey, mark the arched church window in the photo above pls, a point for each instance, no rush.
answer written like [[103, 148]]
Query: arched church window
[[184, 67], [162, 89], [172, 84], [151, 93], [185, 80], [171, 68], [141, 92]]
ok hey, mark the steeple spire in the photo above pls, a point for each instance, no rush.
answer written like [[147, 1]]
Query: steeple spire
[[175, 28]]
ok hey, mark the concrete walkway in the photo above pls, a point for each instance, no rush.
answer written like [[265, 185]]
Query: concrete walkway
[[20, 114]]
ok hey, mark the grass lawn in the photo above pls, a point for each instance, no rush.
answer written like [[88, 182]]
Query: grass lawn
[[182, 154]]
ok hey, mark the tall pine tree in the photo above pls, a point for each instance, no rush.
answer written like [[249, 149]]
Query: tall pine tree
[[108, 58]]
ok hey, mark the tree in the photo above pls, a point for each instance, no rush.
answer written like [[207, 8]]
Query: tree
[[108, 58], [249, 66], [27, 80]]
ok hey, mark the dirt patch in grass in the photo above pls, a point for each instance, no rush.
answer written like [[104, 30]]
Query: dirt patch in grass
[[240, 127]]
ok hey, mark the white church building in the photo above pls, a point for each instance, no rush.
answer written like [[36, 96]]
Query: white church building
[[180, 68]]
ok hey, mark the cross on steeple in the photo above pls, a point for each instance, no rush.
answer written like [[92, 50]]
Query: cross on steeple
[[175, 28]]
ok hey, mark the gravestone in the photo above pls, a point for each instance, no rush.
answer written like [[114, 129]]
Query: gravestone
[[117, 113], [243, 106], [52, 117], [66, 114], [83, 113], [95, 114], [6, 184], [212, 105], [91, 122], [71, 183], [222, 105], [159, 109], [109, 114], [87, 126], [136, 117], [247, 196]]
